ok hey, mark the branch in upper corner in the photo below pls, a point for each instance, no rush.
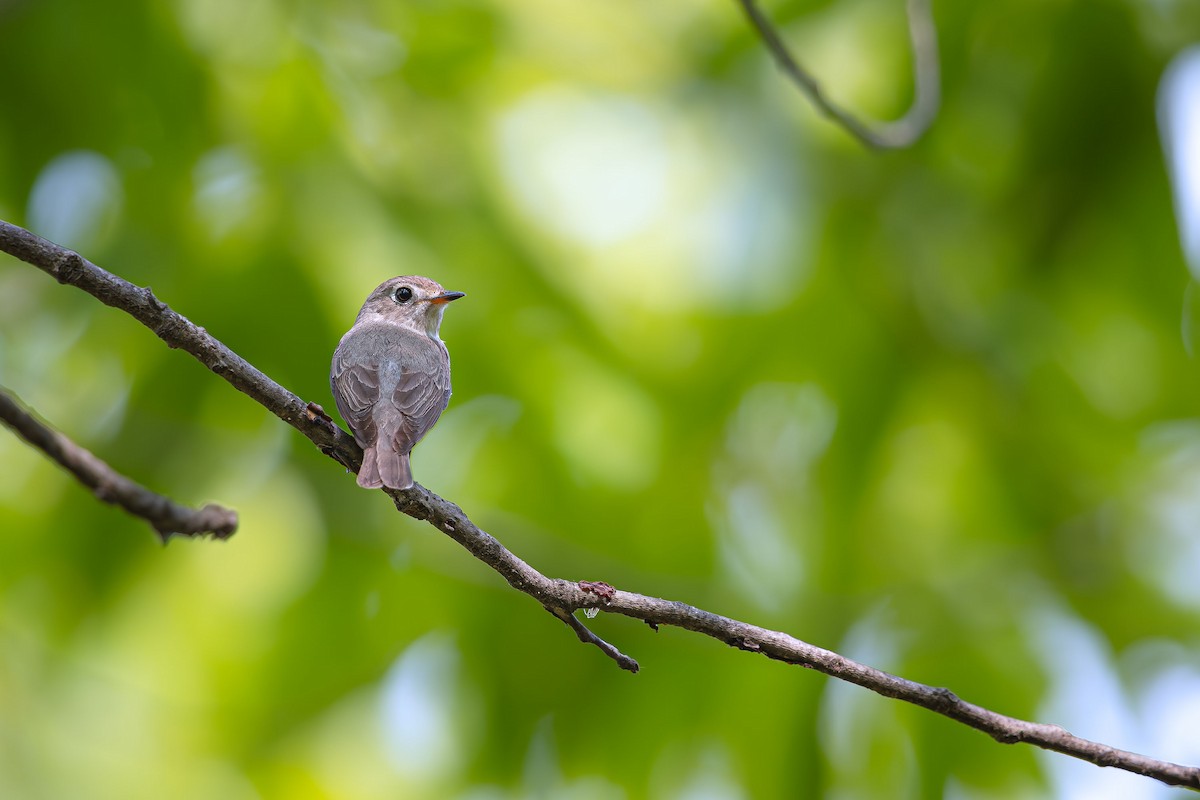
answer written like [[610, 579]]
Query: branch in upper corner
[[926, 80], [165, 516]]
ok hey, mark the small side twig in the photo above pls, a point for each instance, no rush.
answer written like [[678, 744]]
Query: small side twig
[[165, 516], [587, 637], [926, 80]]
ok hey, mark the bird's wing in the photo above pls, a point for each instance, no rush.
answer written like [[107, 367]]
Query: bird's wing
[[356, 391], [421, 395]]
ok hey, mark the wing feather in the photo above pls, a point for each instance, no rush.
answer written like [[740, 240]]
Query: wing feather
[[421, 394], [356, 391]]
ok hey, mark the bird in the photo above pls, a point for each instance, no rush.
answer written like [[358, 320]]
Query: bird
[[390, 376]]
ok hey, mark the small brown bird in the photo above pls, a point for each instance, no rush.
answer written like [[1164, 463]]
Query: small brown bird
[[391, 376]]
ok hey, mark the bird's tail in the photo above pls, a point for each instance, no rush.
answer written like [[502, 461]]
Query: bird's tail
[[385, 468]]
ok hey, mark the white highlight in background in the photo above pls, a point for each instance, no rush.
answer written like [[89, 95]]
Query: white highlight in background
[[76, 200], [419, 706], [1179, 125]]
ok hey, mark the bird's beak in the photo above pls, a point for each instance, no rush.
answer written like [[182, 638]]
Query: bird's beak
[[446, 297]]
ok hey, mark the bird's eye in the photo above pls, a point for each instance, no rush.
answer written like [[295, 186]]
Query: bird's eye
[[402, 295]]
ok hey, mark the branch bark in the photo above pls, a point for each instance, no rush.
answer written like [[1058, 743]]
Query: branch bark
[[110, 486], [561, 597], [894, 135]]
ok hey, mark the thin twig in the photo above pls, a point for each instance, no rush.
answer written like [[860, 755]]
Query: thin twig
[[556, 594], [926, 80], [587, 637], [165, 516]]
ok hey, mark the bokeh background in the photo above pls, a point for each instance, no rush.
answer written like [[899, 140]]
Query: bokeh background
[[935, 409]]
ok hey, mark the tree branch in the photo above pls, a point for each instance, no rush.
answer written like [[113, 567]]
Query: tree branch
[[561, 597], [110, 486], [926, 80]]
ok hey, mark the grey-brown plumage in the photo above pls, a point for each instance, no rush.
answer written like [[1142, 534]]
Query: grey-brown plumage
[[391, 376]]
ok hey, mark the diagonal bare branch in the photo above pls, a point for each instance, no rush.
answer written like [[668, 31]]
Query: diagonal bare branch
[[894, 135], [560, 596], [178, 331], [165, 516]]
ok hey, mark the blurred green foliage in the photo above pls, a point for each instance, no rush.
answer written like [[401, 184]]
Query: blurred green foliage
[[929, 408]]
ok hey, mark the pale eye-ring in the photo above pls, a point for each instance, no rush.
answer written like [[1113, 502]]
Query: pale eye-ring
[[402, 294]]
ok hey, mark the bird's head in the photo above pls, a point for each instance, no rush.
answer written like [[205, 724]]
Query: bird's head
[[412, 301]]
